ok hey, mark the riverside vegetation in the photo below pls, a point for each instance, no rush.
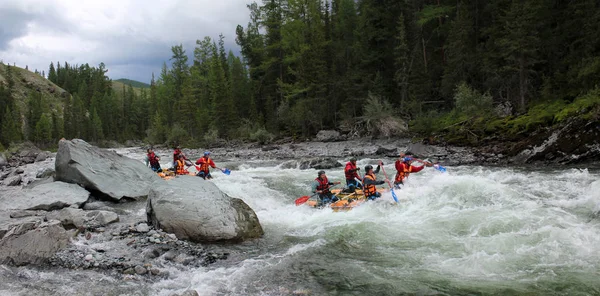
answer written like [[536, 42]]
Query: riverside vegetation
[[459, 72]]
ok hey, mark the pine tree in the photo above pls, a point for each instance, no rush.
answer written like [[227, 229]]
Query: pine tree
[[43, 130]]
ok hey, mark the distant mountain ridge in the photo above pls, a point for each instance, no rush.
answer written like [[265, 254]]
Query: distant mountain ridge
[[133, 83]]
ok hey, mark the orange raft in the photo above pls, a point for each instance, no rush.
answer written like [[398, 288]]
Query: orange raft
[[168, 175], [346, 202]]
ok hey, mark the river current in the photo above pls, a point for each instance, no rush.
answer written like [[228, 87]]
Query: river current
[[471, 230]]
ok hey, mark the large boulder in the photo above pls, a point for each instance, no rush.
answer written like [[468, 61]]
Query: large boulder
[[103, 172], [196, 210], [32, 243], [52, 196]]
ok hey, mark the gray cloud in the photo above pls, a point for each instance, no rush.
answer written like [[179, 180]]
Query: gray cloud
[[133, 38]]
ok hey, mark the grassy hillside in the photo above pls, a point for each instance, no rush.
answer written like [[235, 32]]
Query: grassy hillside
[[133, 83], [118, 86], [27, 82]]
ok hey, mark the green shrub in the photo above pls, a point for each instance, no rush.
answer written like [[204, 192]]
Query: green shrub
[[177, 135], [581, 104], [379, 118], [470, 101], [262, 136]]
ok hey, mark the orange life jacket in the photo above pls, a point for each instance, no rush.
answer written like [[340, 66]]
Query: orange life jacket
[[323, 185], [369, 189], [205, 165], [401, 175], [181, 168]]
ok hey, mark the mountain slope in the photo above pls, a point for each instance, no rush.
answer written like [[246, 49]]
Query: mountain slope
[[133, 83], [26, 82]]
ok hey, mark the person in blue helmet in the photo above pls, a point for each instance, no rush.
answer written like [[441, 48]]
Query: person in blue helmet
[[205, 162], [404, 168]]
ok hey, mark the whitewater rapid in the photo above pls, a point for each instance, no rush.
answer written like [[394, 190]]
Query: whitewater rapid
[[471, 230]]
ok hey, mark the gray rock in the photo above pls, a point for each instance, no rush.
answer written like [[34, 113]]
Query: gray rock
[[4, 175], [12, 181], [42, 156], [142, 227], [103, 171], [44, 173], [24, 213], [320, 163], [170, 255], [19, 170], [391, 152], [38, 182], [53, 196], [197, 210], [78, 218], [32, 244], [140, 270], [186, 293], [3, 161], [327, 135], [129, 271]]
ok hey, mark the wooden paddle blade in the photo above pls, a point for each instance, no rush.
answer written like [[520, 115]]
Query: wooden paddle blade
[[302, 200]]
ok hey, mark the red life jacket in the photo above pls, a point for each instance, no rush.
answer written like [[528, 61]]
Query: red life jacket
[[350, 175], [323, 185], [152, 158], [176, 155]]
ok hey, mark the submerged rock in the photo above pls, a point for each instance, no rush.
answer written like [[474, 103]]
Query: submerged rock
[[196, 210], [101, 171]]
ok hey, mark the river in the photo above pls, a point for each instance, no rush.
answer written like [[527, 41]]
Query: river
[[471, 230]]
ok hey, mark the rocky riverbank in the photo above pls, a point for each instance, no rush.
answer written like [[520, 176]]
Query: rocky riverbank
[[86, 208]]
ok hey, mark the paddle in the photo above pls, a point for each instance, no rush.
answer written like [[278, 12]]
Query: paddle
[[303, 199], [225, 171], [388, 181], [436, 166]]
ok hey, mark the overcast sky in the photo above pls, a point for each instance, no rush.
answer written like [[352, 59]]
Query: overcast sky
[[132, 37]]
